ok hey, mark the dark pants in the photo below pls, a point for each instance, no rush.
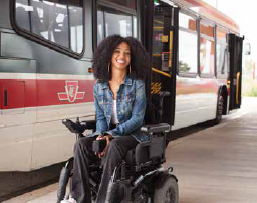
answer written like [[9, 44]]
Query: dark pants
[[83, 156]]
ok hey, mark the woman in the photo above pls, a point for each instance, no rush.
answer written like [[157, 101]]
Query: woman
[[120, 102]]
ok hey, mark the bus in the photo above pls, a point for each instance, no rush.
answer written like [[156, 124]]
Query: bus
[[46, 75]]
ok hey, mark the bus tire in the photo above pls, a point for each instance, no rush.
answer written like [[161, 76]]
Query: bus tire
[[219, 112], [166, 190]]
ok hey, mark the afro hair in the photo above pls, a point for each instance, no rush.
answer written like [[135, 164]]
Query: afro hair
[[140, 60]]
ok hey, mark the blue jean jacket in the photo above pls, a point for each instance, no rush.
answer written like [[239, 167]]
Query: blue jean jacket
[[130, 105]]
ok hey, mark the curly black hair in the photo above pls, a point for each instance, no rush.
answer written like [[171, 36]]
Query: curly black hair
[[140, 60]]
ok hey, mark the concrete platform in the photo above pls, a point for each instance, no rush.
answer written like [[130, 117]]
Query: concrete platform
[[216, 165]]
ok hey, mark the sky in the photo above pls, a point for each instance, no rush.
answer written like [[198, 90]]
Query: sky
[[245, 14]]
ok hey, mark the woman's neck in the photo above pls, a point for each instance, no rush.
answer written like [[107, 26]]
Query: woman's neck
[[118, 76]]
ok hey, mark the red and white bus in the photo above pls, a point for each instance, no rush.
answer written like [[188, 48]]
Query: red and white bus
[[46, 48]]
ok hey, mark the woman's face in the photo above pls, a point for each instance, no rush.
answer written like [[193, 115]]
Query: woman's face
[[121, 56]]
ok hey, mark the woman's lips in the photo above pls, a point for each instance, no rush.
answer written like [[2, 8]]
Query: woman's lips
[[121, 61]]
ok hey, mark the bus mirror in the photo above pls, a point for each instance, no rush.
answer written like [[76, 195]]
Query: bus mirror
[[247, 48]]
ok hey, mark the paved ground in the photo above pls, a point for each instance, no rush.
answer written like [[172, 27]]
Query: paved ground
[[43, 195], [216, 165], [16, 183]]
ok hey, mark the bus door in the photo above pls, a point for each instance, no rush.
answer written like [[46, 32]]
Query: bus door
[[235, 49], [164, 56]]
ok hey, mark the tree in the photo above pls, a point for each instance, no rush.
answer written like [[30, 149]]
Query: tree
[[184, 67]]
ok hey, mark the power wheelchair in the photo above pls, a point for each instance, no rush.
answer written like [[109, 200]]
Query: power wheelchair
[[140, 177]]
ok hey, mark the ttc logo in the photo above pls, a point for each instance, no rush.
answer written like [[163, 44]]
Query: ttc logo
[[71, 92]]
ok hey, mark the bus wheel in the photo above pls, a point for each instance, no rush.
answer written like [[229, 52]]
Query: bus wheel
[[220, 105], [167, 190]]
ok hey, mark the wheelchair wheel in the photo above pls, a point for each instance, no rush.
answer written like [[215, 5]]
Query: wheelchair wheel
[[64, 179], [166, 190]]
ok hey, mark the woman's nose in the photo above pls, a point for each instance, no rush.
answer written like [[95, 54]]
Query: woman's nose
[[122, 55]]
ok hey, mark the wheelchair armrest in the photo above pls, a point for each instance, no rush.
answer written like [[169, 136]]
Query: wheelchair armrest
[[89, 124], [79, 127], [155, 148], [156, 128]]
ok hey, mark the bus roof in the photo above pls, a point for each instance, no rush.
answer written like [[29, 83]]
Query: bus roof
[[208, 11]]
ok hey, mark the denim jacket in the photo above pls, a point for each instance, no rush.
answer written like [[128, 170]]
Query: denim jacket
[[130, 106]]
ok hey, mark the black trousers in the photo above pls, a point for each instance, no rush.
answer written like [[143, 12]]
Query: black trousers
[[83, 156]]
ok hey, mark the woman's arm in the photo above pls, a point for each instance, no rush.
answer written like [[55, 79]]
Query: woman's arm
[[101, 125], [138, 114]]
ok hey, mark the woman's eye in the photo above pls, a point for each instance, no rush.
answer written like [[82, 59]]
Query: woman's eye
[[116, 51], [127, 53]]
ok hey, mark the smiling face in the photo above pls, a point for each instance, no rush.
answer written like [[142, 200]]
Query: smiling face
[[121, 57]]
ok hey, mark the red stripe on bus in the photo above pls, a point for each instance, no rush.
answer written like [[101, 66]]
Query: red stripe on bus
[[16, 93]]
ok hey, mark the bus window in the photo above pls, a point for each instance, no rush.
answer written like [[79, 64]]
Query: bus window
[[57, 21], [222, 62], [76, 25], [207, 48], [135, 26], [22, 14], [207, 30], [187, 22], [221, 35], [187, 44], [111, 22], [221, 52], [127, 3], [100, 25], [118, 24]]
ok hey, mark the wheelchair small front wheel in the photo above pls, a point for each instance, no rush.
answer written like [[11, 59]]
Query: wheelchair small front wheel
[[166, 190]]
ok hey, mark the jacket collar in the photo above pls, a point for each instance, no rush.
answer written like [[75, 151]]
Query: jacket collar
[[127, 81]]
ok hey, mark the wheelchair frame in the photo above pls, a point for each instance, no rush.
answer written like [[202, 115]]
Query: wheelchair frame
[[131, 178]]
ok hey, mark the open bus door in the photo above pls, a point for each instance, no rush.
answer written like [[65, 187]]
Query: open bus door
[[164, 57], [235, 49]]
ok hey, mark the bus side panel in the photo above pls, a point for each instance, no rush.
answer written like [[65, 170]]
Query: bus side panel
[[208, 99], [15, 147], [55, 102], [4, 14], [48, 61], [196, 101], [18, 115], [35, 142], [52, 142]]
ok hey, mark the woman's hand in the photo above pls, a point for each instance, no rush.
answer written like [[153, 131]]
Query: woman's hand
[[106, 137]]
